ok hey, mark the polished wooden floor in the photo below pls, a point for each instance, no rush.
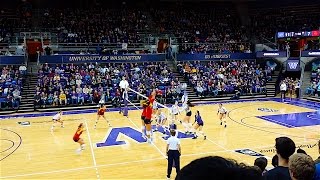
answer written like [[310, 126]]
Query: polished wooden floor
[[33, 152]]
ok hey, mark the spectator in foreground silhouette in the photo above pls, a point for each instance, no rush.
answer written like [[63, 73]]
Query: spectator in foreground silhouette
[[301, 151], [301, 167], [317, 163], [285, 147], [217, 168], [275, 160], [262, 163]]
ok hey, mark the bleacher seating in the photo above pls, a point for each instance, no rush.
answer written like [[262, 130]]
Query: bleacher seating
[[314, 88], [91, 83], [221, 78], [266, 21], [10, 87]]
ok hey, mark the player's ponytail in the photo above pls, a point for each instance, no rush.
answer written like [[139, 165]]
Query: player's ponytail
[[80, 125]]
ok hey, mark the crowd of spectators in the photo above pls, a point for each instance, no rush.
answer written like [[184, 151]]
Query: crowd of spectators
[[314, 87], [288, 163], [13, 19], [10, 87], [228, 77], [219, 29], [99, 25], [74, 84], [267, 21], [232, 47]]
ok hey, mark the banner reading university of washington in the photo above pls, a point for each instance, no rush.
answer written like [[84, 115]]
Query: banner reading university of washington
[[101, 58]]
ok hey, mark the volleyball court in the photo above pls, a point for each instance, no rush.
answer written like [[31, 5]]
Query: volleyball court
[[165, 118]]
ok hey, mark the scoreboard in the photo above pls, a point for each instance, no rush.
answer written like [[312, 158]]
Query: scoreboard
[[315, 33]]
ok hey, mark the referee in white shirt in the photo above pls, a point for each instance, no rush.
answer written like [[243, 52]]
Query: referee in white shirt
[[124, 85], [173, 151], [283, 90]]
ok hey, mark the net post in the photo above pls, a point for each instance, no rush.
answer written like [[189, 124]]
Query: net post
[[125, 103]]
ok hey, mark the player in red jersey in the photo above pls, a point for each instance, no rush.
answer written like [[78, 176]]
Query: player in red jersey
[[77, 139], [143, 117], [100, 113], [148, 115]]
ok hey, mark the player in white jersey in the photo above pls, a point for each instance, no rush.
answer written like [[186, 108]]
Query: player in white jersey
[[57, 118], [161, 121], [184, 98], [155, 109], [186, 120], [222, 112], [175, 111]]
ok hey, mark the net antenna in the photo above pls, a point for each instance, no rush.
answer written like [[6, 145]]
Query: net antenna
[[159, 104]]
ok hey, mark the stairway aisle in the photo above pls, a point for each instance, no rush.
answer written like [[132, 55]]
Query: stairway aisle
[[29, 89], [271, 85], [305, 82], [191, 94]]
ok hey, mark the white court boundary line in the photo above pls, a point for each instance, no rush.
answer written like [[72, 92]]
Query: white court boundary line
[[92, 152], [273, 121], [129, 162], [151, 142], [226, 150]]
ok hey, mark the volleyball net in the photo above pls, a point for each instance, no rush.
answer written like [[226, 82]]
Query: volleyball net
[[138, 96]]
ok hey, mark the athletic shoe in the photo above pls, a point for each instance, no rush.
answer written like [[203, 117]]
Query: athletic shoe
[[155, 130], [195, 137], [225, 125], [78, 151], [205, 137], [62, 126], [221, 123]]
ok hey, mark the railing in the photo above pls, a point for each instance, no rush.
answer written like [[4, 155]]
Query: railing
[[103, 46], [210, 43]]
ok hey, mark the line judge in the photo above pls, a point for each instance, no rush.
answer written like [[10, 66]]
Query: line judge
[[173, 151], [124, 85]]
